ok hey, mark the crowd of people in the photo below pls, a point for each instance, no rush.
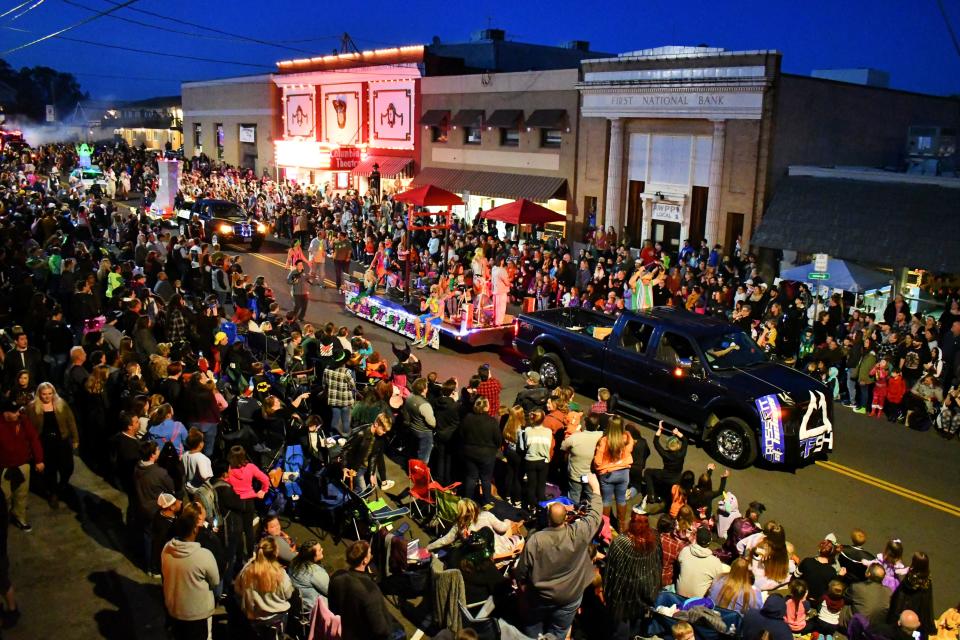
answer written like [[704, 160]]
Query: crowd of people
[[153, 355]]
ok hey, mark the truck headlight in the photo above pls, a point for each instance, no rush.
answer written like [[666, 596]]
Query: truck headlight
[[225, 229], [261, 228]]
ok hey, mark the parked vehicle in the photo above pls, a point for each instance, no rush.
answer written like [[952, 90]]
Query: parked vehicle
[[705, 376]]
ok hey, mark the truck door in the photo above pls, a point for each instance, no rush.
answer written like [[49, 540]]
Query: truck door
[[679, 391], [627, 364]]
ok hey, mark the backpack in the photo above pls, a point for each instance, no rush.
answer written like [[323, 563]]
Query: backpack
[[207, 495]]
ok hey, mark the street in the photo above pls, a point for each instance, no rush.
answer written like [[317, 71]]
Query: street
[[885, 479]]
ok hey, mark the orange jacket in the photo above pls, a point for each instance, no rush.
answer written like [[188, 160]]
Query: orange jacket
[[602, 462]]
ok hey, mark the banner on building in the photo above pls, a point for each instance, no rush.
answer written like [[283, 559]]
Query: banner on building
[[667, 212], [344, 158], [392, 114], [248, 134], [299, 115], [341, 106]]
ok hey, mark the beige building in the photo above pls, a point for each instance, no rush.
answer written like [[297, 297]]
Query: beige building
[[674, 143], [232, 120], [155, 123], [498, 137]]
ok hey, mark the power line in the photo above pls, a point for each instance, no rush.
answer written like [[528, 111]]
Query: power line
[[205, 27], [9, 11], [56, 33], [28, 10], [94, 43], [946, 20]]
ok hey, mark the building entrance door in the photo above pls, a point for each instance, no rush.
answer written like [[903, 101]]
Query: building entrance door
[[667, 234], [734, 231], [634, 225]]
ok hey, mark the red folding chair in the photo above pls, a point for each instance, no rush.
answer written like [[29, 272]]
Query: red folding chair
[[422, 485]]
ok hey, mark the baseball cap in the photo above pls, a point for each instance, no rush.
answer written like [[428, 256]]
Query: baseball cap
[[219, 338], [533, 376], [165, 500]]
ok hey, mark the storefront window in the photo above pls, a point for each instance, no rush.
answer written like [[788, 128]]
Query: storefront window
[[551, 138], [509, 137], [471, 135], [438, 134], [220, 138], [197, 146]]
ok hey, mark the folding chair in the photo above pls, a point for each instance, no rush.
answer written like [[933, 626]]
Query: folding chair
[[446, 507], [370, 513], [422, 485], [483, 623], [328, 497]]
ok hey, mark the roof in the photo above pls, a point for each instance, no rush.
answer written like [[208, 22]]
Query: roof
[[693, 324], [435, 117], [468, 118], [505, 118], [332, 62], [493, 184], [896, 224], [154, 103], [547, 118]]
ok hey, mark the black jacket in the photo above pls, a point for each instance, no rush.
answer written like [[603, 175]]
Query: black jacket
[[481, 437], [149, 482], [531, 398], [357, 599], [447, 412]]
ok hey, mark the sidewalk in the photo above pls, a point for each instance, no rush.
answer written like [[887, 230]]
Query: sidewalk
[[70, 576]]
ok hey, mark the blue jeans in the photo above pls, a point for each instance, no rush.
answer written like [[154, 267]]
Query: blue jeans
[[340, 420], [575, 491], [424, 442], [866, 397], [547, 617], [209, 431], [614, 485], [852, 387]]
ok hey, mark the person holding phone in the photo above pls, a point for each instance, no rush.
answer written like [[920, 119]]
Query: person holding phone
[[580, 447]]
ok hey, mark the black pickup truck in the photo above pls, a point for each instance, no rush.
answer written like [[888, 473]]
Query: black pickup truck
[[705, 376]]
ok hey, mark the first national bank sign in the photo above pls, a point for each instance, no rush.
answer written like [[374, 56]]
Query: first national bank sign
[[686, 104]]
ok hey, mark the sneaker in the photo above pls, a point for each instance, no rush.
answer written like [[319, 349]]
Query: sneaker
[[630, 492], [20, 524], [387, 484], [256, 520], [861, 411]]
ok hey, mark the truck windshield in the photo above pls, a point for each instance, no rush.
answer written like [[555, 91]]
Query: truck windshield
[[729, 350]]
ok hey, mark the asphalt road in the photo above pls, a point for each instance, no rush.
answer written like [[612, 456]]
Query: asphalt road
[[886, 479]]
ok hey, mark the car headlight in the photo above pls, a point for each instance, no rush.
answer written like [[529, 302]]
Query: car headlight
[[225, 229], [261, 228]]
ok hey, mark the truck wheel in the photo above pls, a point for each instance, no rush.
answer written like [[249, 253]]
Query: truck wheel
[[733, 443], [255, 244], [552, 372]]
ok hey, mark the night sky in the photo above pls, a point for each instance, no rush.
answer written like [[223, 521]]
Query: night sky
[[907, 38]]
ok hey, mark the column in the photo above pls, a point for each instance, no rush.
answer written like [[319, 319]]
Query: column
[[712, 227], [613, 203], [647, 227]]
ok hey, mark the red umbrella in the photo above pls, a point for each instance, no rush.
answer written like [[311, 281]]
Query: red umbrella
[[429, 196], [523, 212]]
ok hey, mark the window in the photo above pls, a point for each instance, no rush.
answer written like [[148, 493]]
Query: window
[[509, 137], [197, 146], [438, 134], [471, 135], [220, 137], [551, 138], [673, 348], [636, 336], [156, 136]]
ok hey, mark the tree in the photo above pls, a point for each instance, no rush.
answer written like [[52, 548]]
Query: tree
[[37, 87]]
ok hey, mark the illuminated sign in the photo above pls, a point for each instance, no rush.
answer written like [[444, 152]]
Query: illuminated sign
[[299, 115], [344, 158], [341, 113], [395, 320]]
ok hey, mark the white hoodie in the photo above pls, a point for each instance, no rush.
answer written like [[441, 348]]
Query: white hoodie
[[189, 576]]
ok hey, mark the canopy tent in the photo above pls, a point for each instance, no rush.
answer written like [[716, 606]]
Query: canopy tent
[[523, 212], [843, 275], [429, 196]]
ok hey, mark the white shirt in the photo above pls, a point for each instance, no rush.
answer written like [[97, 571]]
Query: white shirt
[[501, 281], [194, 464]]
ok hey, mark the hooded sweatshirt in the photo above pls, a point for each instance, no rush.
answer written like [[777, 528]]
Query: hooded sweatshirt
[[189, 577], [768, 618], [728, 510], [698, 569]]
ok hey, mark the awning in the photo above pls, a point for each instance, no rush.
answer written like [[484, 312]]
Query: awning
[[505, 118], [468, 118], [390, 166], [897, 224], [548, 119], [844, 274], [492, 184], [435, 117]]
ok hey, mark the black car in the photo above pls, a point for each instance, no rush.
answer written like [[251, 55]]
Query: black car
[[704, 376], [227, 221]]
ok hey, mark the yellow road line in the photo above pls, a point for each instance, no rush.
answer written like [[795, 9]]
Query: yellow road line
[[260, 256], [903, 492]]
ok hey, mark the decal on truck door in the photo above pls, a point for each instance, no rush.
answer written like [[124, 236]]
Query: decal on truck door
[[816, 430], [771, 429]]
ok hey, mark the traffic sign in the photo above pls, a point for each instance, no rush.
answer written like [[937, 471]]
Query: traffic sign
[[818, 276], [820, 261]]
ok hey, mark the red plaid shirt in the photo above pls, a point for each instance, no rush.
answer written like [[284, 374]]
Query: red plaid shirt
[[490, 389], [671, 546]]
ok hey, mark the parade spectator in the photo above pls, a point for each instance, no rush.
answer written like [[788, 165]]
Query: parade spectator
[[19, 447], [190, 575], [735, 590], [357, 599], [480, 440], [580, 448], [308, 575], [612, 462], [915, 593], [631, 581], [264, 587], [53, 419], [555, 568], [698, 567], [490, 389], [868, 598]]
